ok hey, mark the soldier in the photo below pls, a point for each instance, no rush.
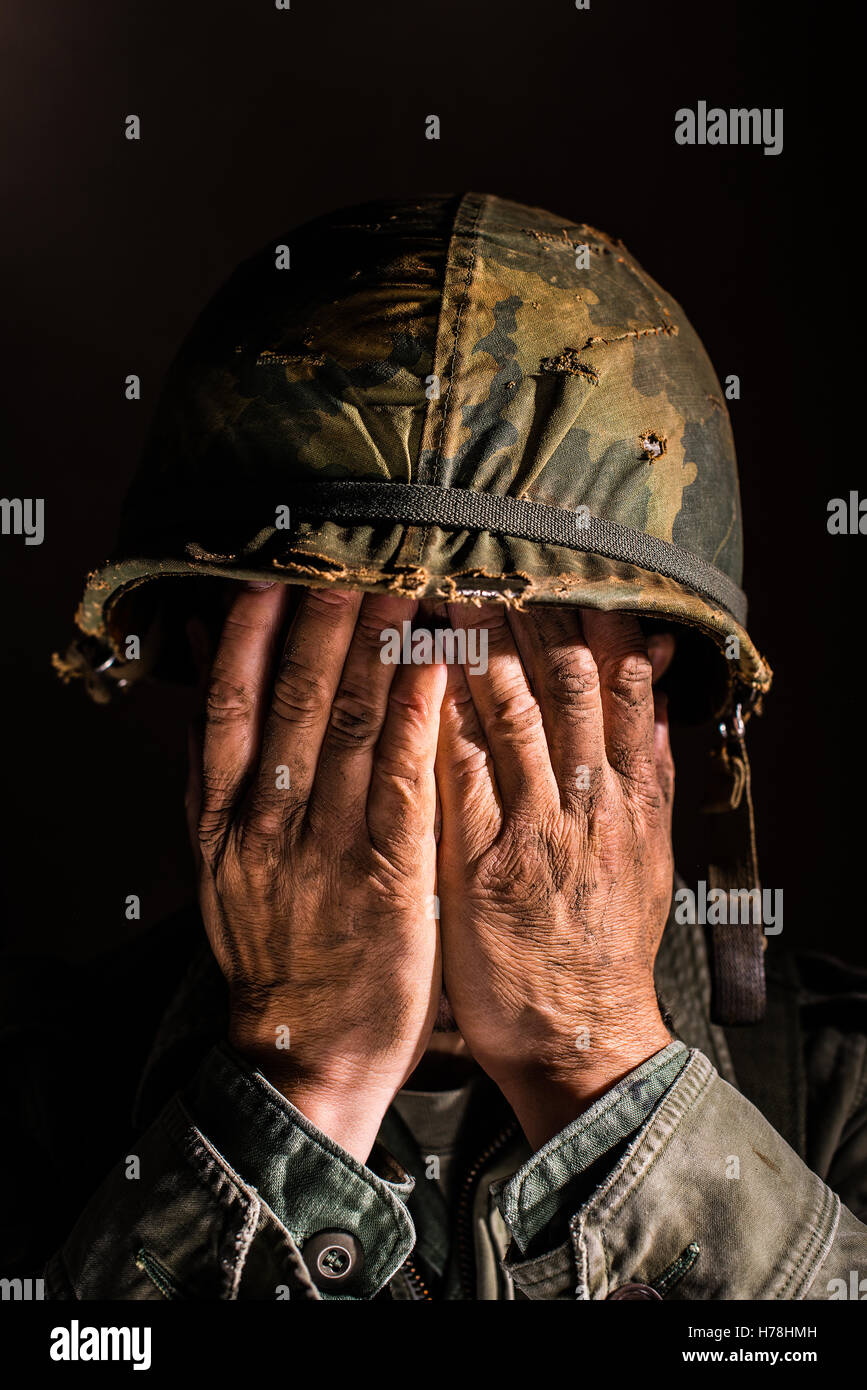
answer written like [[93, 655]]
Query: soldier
[[450, 1039]]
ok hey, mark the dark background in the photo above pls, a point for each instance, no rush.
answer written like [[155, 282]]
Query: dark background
[[254, 119]]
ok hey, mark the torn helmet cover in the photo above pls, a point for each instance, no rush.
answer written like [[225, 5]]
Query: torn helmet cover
[[442, 396]]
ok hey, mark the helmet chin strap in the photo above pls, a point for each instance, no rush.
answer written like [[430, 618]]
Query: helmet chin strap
[[737, 948]]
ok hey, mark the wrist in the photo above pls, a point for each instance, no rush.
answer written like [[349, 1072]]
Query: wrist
[[352, 1123], [346, 1103], [348, 1113], [547, 1097]]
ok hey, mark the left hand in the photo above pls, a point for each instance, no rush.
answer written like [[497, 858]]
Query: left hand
[[554, 883]]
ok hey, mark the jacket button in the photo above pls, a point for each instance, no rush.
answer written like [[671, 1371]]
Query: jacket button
[[333, 1258], [635, 1291]]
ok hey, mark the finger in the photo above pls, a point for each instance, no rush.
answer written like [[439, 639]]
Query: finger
[[236, 699], [662, 747], [626, 679], [660, 649], [561, 667], [306, 680], [401, 803], [509, 714], [470, 802], [345, 766]]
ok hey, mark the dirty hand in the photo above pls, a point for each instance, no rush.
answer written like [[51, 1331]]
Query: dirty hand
[[313, 812], [555, 866]]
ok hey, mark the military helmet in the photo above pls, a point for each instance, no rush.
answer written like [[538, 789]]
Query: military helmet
[[453, 396], [443, 396]]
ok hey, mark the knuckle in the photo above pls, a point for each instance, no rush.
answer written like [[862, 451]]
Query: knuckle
[[268, 817], [400, 757], [411, 705], [327, 599], [401, 767], [516, 714], [572, 681], [590, 793], [354, 721], [458, 704], [217, 787], [664, 794], [632, 764], [243, 626], [260, 841], [369, 629], [496, 623], [498, 635], [653, 802], [227, 701], [299, 692], [512, 869], [214, 808], [646, 802], [629, 676], [210, 831], [469, 764]]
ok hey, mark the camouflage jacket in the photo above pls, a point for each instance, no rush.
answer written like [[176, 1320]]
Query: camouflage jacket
[[674, 1185]]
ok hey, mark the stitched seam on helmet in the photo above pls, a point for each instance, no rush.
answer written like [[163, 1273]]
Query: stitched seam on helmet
[[472, 236]]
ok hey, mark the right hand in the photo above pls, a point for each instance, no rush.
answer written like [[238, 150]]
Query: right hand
[[318, 898]]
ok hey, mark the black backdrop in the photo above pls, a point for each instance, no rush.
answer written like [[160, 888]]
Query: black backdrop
[[254, 119]]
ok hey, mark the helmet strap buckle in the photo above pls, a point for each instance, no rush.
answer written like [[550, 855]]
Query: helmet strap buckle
[[736, 947]]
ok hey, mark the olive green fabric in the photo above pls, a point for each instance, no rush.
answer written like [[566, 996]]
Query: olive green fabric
[[532, 1197], [308, 1181], [672, 1179], [445, 342]]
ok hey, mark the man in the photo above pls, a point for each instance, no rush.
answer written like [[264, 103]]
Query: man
[[461, 1039]]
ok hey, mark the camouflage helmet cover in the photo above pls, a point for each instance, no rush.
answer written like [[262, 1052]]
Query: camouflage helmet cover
[[445, 396]]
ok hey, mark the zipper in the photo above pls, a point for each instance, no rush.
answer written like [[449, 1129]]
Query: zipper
[[158, 1274], [418, 1287], [466, 1259]]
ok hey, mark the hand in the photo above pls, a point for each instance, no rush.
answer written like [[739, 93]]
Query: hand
[[555, 871], [317, 896]]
